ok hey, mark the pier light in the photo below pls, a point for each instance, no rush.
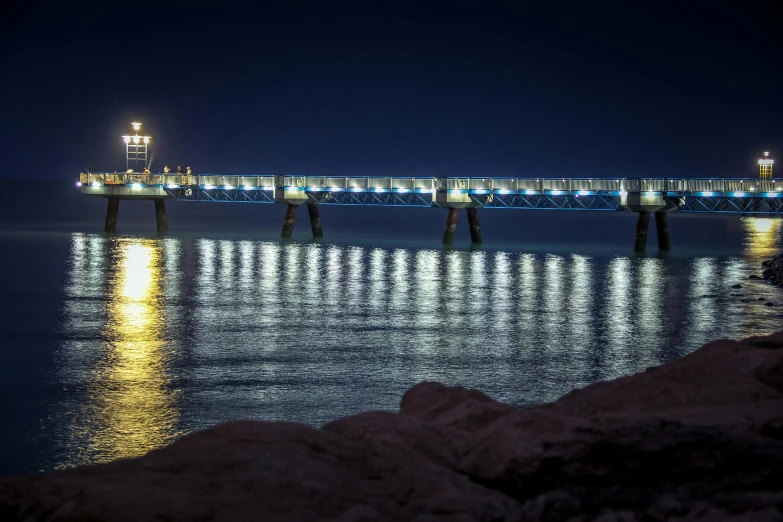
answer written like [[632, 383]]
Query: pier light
[[136, 149], [765, 166]]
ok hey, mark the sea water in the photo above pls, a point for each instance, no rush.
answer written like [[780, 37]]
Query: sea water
[[114, 345]]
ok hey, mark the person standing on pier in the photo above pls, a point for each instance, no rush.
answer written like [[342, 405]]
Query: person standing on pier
[[166, 169]]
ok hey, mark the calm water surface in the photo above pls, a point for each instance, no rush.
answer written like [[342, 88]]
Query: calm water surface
[[157, 337]]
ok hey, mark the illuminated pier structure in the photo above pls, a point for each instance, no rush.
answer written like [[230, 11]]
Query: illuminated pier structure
[[643, 196]]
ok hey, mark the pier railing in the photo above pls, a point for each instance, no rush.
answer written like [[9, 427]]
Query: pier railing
[[734, 187]]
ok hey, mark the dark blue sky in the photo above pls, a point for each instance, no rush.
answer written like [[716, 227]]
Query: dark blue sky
[[400, 88]]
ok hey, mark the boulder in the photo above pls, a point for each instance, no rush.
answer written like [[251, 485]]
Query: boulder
[[696, 439]]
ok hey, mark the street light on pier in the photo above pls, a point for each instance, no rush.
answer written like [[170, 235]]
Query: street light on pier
[[765, 166], [136, 148]]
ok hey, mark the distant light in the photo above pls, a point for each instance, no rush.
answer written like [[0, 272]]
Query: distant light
[[209, 187], [738, 194], [315, 189], [708, 194], [402, 190], [248, 187], [228, 187], [136, 139], [650, 193], [95, 184], [555, 192], [78, 183], [504, 191], [357, 189], [455, 192], [336, 189], [172, 186], [136, 125], [268, 187], [135, 185], [146, 139], [623, 192], [480, 191], [530, 192], [584, 192], [766, 154]]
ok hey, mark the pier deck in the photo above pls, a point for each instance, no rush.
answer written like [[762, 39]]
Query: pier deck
[[640, 195]]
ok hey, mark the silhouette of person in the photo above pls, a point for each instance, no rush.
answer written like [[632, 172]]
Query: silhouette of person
[[166, 169]]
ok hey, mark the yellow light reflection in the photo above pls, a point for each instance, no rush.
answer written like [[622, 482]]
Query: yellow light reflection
[[134, 409], [762, 237]]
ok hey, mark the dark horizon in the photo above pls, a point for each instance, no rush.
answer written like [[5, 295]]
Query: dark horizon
[[436, 89]]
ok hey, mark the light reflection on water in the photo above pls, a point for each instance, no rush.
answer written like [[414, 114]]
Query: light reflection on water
[[166, 336], [123, 363]]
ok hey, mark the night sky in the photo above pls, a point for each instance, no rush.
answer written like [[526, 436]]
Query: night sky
[[395, 88]]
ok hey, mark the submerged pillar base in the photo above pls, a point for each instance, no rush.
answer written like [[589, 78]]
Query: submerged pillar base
[[315, 220], [111, 215], [662, 227], [475, 227], [451, 226], [160, 215], [642, 225], [290, 219]]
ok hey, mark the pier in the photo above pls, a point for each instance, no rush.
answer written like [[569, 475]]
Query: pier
[[657, 196]]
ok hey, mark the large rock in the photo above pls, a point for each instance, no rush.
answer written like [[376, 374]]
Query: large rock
[[697, 439]]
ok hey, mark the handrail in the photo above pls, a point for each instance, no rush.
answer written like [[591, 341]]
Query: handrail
[[738, 187]]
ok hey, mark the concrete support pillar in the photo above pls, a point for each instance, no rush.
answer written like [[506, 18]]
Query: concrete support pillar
[[290, 219], [315, 220], [642, 224], [111, 215], [662, 227], [475, 227], [160, 215], [451, 226]]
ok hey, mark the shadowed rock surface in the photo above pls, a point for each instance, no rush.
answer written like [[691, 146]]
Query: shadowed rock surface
[[697, 439]]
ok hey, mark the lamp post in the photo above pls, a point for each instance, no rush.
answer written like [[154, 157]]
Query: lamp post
[[136, 148], [765, 166]]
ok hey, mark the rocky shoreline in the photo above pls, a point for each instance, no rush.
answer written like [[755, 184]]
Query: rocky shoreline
[[772, 270], [698, 439]]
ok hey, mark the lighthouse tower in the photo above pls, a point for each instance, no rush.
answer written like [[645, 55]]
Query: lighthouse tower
[[765, 166]]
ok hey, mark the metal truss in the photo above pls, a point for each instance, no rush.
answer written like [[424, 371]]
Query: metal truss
[[218, 195], [731, 205], [718, 204], [385, 199], [544, 201]]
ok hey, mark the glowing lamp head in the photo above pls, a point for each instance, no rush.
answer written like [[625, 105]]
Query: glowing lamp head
[[136, 125], [136, 139], [126, 139], [146, 139], [766, 154]]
